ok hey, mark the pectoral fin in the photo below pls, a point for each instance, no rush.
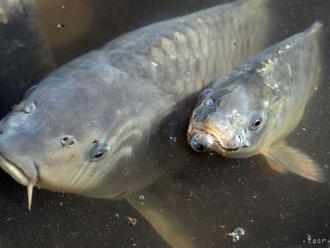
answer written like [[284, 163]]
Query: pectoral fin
[[282, 158], [275, 165]]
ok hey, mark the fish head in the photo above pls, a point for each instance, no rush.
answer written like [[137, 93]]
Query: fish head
[[230, 120], [75, 132]]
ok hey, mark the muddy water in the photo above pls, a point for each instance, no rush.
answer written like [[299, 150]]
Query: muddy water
[[209, 196]]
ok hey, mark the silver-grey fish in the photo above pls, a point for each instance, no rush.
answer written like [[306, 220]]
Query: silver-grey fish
[[253, 109], [90, 126]]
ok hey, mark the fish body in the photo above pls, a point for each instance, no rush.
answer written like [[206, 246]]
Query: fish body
[[95, 126], [92, 126], [252, 110]]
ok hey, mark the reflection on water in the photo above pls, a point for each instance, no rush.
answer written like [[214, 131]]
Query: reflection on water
[[203, 202]]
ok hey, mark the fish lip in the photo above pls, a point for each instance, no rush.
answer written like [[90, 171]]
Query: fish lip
[[201, 129], [16, 171]]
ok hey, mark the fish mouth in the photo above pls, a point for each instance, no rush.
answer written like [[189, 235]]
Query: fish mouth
[[24, 177], [14, 170], [219, 141]]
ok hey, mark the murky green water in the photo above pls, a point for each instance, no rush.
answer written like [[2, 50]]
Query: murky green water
[[208, 197]]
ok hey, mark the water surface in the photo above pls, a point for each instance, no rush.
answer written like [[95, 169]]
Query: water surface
[[208, 197]]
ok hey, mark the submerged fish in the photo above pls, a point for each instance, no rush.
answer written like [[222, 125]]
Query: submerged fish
[[91, 126], [95, 126], [254, 108]]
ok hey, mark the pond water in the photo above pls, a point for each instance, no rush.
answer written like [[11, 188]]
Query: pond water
[[209, 201]]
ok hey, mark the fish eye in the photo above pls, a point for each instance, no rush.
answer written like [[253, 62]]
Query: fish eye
[[98, 153], [68, 141], [256, 123], [208, 102]]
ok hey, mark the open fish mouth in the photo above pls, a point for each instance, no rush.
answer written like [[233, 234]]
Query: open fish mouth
[[203, 138], [26, 178]]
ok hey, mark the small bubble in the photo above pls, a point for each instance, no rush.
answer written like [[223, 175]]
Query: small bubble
[[60, 25], [117, 215], [237, 234], [141, 197], [131, 221], [174, 139]]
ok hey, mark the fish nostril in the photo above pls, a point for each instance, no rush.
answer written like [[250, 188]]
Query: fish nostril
[[196, 145]]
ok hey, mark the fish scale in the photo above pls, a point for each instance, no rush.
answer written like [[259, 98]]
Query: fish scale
[[208, 45], [285, 81]]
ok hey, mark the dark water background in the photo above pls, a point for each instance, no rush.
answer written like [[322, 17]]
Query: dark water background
[[211, 195]]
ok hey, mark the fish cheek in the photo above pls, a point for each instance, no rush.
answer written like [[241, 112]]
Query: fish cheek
[[63, 158]]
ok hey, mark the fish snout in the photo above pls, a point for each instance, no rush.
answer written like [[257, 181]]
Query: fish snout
[[22, 170], [213, 136], [201, 142], [13, 155]]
